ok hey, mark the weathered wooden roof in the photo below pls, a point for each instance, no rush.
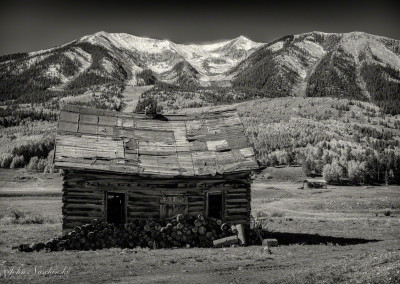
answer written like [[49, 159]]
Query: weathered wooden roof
[[171, 145]]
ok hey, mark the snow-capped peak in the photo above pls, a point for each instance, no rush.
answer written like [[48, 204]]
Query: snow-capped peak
[[207, 59], [243, 42]]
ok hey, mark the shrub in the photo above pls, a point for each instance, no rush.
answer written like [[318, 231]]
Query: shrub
[[356, 171], [147, 76], [34, 148], [307, 166], [6, 161], [149, 106], [31, 219], [277, 214], [17, 162], [22, 218], [333, 172], [50, 158], [260, 214], [41, 165], [48, 169], [33, 162], [16, 214]]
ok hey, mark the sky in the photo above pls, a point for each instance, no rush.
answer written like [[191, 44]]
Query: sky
[[29, 25]]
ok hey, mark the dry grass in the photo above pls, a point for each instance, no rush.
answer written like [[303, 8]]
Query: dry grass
[[263, 214], [23, 218]]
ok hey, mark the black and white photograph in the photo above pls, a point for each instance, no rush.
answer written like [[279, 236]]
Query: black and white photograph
[[200, 142]]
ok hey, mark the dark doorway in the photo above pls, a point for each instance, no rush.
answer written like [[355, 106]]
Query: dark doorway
[[215, 205], [116, 208]]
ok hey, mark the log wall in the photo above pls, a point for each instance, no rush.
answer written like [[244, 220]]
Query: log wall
[[84, 196]]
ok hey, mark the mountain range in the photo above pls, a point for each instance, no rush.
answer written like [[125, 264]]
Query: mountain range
[[349, 65]]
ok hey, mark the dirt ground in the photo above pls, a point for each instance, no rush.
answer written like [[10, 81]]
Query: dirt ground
[[312, 226]]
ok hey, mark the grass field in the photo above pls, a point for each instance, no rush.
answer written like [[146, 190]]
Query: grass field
[[312, 226]]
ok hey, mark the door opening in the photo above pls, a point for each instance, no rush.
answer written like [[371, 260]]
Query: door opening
[[116, 208], [214, 205]]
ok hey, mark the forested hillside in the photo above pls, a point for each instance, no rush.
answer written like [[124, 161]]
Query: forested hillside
[[353, 66], [383, 84], [338, 138], [174, 97], [66, 71]]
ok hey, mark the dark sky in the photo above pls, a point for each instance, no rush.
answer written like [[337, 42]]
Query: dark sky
[[32, 25]]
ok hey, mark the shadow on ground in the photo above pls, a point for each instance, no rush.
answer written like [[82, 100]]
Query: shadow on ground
[[314, 239]]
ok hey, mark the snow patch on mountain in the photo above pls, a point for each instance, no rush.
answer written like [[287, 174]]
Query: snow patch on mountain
[[312, 48], [293, 63], [80, 56], [276, 46], [55, 71], [208, 47], [108, 66]]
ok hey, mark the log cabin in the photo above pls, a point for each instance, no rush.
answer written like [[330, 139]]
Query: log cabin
[[123, 166]]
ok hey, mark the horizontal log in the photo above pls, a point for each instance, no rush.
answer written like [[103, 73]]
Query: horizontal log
[[143, 198], [146, 184], [81, 192], [236, 195], [195, 198], [71, 224], [144, 214], [132, 209], [226, 241], [82, 189], [82, 201], [138, 204], [78, 218], [83, 213], [71, 205], [87, 199], [237, 210], [196, 209], [195, 204], [237, 190], [234, 178], [195, 213], [238, 200]]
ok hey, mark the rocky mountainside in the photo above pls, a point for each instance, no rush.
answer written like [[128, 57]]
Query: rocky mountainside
[[117, 57], [351, 65]]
